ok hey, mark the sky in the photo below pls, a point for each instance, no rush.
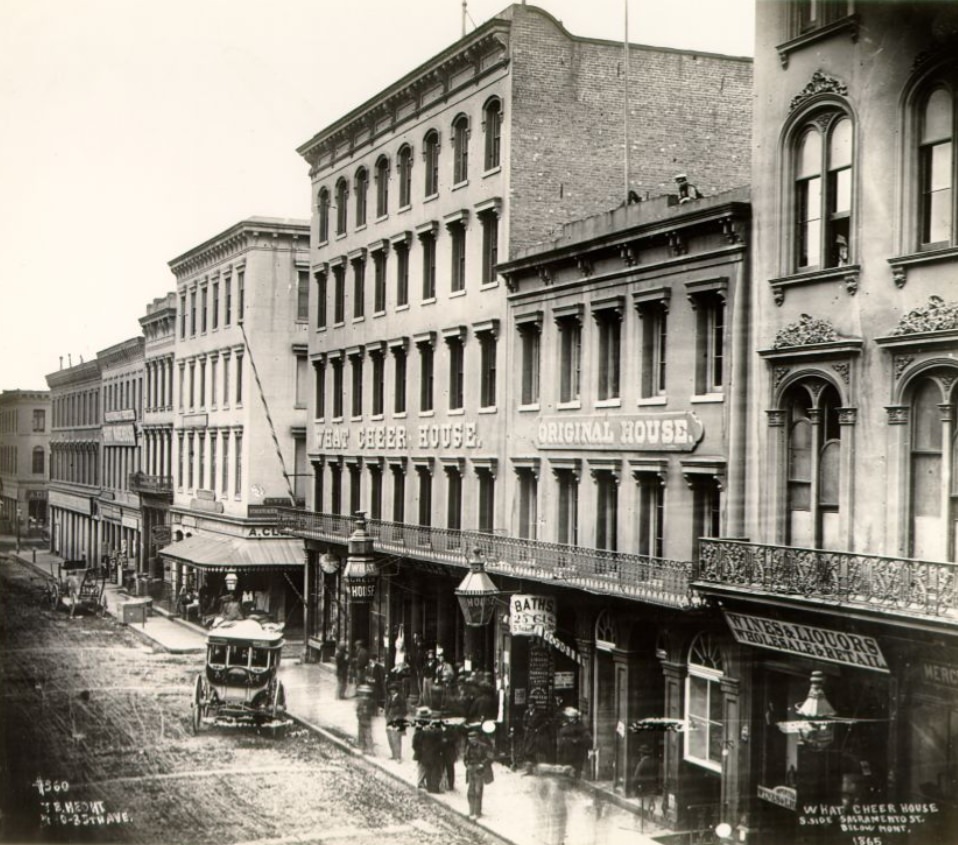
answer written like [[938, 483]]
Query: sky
[[134, 130]]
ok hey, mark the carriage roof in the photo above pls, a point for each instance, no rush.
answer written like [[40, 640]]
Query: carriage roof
[[246, 630]]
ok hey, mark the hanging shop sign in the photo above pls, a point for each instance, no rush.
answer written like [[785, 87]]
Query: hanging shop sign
[[677, 431], [807, 640], [530, 614], [120, 434]]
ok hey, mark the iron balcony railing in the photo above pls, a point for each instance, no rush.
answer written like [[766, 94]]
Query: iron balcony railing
[[650, 579], [158, 485], [888, 584]]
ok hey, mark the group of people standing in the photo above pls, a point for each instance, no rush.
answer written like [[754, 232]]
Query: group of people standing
[[555, 737]]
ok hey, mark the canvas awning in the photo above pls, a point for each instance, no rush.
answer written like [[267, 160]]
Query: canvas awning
[[219, 554]]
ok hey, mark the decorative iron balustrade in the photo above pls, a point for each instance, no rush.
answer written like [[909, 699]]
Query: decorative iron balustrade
[[892, 584], [158, 485], [650, 579]]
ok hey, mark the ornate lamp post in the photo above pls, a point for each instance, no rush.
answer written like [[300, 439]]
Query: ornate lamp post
[[477, 593], [361, 574], [819, 733]]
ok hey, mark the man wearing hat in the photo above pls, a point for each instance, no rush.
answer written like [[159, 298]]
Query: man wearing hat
[[365, 708], [427, 750], [478, 761], [395, 711], [573, 742]]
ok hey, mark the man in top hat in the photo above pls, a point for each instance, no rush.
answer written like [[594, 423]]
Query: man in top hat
[[395, 711], [573, 742], [427, 750], [478, 761]]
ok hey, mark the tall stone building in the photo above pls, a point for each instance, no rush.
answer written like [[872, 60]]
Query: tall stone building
[[24, 460]]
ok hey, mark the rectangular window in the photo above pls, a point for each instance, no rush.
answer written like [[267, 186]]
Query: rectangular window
[[201, 460], [709, 342], [453, 499], [182, 384], [530, 335], [458, 249], [379, 382], [203, 309], [359, 288], [191, 460], [425, 496], [336, 488], [425, 377], [487, 369], [179, 463], [214, 445], [228, 305], [609, 325], [319, 370], [399, 494], [192, 313], [356, 362], [302, 373], [607, 511], [320, 300], [528, 504], [302, 296], [39, 420], [568, 515], [490, 247], [226, 381], [399, 385], [654, 336], [339, 294], [182, 316], [428, 266], [338, 388], [192, 385], [487, 500], [318, 491], [375, 492], [240, 295], [216, 305], [651, 515], [238, 473], [570, 359], [225, 483], [202, 382], [239, 378], [214, 366], [402, 274], [355, 488], [379, 281], [704, 741], [456, 374]]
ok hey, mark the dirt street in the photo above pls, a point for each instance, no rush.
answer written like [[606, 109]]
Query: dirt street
[[95, 747]]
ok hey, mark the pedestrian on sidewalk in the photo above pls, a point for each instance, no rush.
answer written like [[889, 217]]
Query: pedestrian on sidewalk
[[574, 742], [478, 761], [449, 754], [552, 784], [365, 707], [342, 670], [427, 750], [396, 711]]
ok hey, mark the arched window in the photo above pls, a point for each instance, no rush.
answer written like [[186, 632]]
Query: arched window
[[493, 130], [342, 193], [933, 487], [705, 736], [382, 186], [405, 175], [39, 460], [936, 168], [460, 149], [822, 191], [813, 465], [322, 206], [362, 189], [430, 154]]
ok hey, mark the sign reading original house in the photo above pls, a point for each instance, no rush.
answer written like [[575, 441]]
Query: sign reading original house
[[677, 431], [807, 640]]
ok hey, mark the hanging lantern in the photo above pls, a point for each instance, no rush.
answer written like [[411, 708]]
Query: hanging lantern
[[477, 593], [818, 732]]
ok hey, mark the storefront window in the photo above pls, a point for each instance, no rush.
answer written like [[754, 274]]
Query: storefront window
[[705, 737]]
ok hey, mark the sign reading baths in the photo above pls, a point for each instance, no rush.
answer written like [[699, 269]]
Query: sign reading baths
[[821, 643], [529, 614], [677, 431]]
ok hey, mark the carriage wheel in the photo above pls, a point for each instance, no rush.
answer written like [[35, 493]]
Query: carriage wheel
[[55, 595], [277, 707], [196, 707]]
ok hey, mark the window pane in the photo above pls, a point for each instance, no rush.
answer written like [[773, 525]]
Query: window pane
[[927, 484], [841, 199], [840, 147], [937, 123], [698, 696], [716, 739], [829, 473], [926, 422], [698, 738], [809, 155]]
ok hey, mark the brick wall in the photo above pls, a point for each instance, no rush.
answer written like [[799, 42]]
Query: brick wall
[[689, 113]]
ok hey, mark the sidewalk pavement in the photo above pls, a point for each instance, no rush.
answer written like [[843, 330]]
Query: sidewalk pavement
[[513, 809]]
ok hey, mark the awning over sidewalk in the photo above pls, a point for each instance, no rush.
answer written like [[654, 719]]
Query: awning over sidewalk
[[219, 554]]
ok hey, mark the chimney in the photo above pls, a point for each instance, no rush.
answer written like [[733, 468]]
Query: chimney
[[61, 362]]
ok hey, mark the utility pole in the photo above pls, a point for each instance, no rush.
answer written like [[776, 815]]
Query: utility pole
[[625, 48]]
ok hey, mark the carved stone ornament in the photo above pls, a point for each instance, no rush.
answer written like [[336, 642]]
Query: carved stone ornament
[[780, 373], [843, 369], [847, 416], [805, 332], [901, 363], [897, 414], [818, 84], [936, 316]]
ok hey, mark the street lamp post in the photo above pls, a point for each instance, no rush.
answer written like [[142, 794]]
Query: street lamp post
[[361, 573], [478, 597]]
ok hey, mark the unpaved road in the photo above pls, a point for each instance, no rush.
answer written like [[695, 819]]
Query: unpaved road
[[95, 747]]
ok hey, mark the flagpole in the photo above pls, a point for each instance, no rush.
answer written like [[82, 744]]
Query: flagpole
[[625, 48]]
